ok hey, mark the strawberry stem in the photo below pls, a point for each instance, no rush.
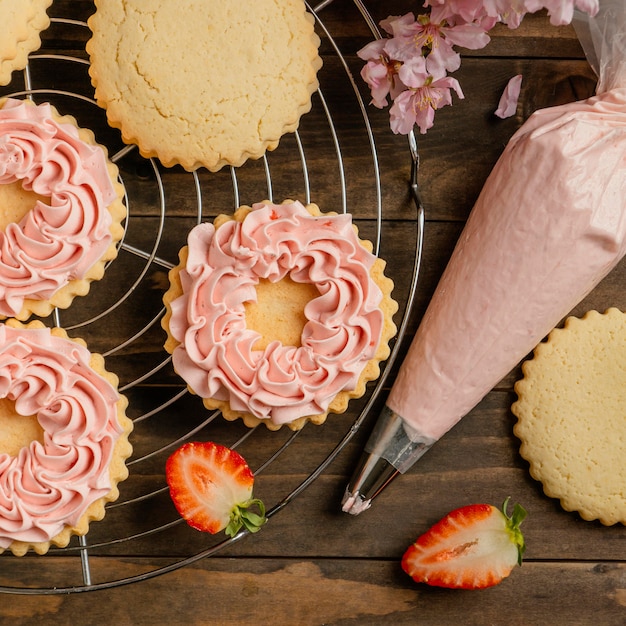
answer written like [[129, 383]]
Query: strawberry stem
[[242, 516], [512, 524]]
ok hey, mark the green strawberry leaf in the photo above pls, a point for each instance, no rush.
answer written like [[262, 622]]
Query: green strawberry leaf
[[513, 526], [243, 517]]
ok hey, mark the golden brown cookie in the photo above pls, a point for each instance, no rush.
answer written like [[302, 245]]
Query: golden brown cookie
[[22, 23], [203, 83], [571, 415]]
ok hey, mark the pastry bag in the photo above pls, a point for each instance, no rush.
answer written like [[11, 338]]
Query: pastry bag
[[548, 225]]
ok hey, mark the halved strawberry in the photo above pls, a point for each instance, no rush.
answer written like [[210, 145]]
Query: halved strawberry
[[211, 487], [473, 547]]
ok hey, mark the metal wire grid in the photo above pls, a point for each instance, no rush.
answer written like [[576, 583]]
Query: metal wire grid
[[148, 258]]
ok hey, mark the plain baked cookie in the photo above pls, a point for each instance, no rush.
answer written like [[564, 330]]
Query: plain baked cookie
[[22, 22], [278, 314], [201, 83], [571, 413]]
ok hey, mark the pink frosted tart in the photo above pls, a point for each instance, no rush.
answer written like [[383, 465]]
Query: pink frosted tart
[[63, 437], [61, 209], [278, 314]]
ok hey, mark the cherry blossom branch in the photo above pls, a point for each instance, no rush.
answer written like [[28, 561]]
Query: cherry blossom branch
[[411, 65]]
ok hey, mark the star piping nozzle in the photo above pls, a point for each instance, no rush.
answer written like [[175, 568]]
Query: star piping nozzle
[[392, 448]]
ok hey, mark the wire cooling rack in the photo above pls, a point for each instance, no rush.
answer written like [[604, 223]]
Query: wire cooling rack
[[129, 297]]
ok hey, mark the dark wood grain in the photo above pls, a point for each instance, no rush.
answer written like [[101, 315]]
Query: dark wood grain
[[310, 592], [313, 564]]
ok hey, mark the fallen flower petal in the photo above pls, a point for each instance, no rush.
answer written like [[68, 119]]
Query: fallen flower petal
[[508, 101]]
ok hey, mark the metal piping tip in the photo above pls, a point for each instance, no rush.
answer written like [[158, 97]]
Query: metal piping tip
[[371, 476], [391, 449]]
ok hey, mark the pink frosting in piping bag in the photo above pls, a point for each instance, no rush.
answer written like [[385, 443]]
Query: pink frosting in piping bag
[[549, 224], [544, 231]]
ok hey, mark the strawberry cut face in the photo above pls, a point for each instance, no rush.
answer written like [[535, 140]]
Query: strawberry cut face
[[210, 485], [470, 548]]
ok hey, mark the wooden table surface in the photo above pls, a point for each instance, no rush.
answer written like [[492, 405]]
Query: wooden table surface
[[313, 564]]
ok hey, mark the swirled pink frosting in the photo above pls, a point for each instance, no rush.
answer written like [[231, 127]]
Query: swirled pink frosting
[[54, 243], [50, 485], [344, 323]]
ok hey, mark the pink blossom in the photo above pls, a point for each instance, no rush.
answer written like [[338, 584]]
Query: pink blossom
[[465, 10], [471, 36], [373, 50], [411, 65], [485, 13], [508, 101], [442, 57], [418, 106], [399, 26], [510, 12], [433, 39], [377, 78], [413, 72], [379, 73]]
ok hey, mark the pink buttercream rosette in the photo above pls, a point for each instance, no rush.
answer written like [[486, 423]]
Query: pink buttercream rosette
[[53, 488], [213, 349], [60, 245]]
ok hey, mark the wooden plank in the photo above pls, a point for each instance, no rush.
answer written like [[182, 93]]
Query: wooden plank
[[313, 564], [329, 591]]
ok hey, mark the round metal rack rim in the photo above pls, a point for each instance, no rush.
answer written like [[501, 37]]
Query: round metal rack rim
[[151, 258]]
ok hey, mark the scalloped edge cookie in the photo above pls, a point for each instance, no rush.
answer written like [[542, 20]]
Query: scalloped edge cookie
[[203, 86], [22, 24], [571, 416], [65, 295]]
